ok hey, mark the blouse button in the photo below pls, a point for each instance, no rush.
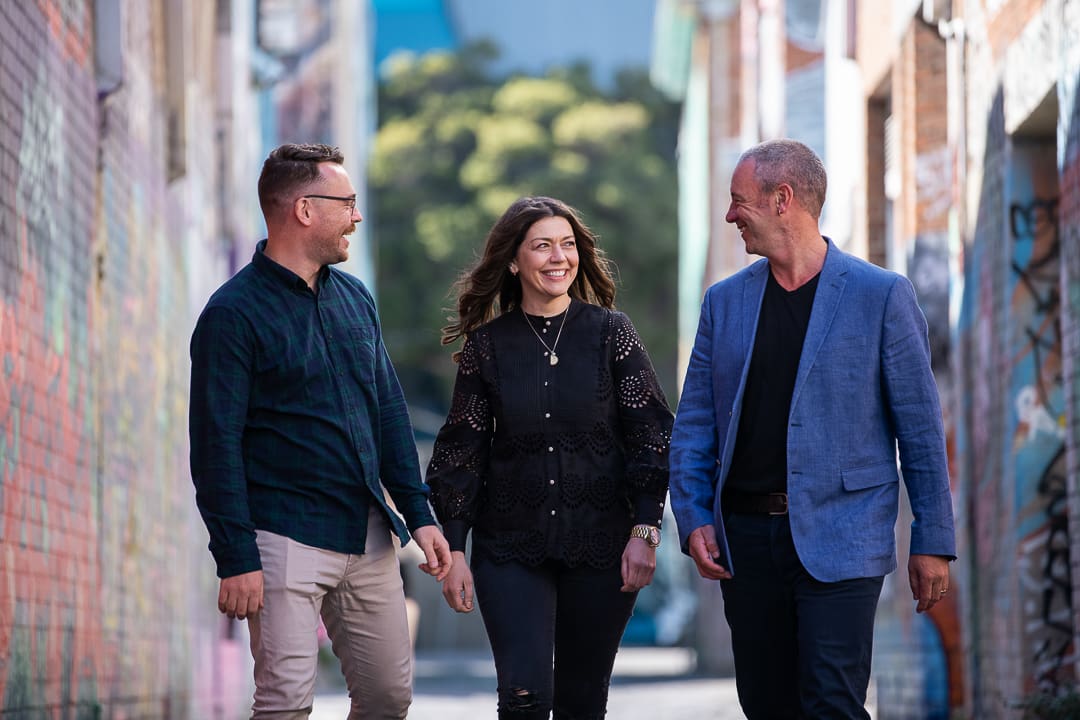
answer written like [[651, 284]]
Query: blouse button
[[551, 481], [552, 512], [547, 415], [545, 383], [551, 449]]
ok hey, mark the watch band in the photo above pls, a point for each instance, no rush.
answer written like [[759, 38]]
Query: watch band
[[649, 533]]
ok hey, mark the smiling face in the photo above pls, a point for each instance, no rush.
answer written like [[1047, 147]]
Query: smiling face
[[334, 218], [751, 210], [546, 263]]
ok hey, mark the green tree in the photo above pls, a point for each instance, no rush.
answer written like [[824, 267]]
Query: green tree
[[456, 147]]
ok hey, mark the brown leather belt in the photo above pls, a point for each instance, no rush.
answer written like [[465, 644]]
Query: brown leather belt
[[751, 504]]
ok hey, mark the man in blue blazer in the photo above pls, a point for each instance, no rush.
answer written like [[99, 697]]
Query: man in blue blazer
[[810, 371]]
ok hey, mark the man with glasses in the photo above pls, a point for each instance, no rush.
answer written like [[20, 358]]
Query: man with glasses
[[298, 425]]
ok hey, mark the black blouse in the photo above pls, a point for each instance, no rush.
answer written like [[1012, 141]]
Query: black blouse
[[552, 461]]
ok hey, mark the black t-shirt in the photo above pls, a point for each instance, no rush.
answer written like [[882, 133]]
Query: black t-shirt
[[759, 463]]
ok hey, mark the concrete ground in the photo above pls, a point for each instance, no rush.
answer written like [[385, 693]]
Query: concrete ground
[[653, 683], [648, 682]]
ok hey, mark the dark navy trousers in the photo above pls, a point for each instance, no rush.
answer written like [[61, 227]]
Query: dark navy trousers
[[802, 647]]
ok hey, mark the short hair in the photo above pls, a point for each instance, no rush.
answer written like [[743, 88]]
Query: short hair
[[290, 168], [791, 162]]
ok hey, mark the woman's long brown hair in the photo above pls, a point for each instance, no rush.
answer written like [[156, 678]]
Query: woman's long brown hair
[[489, 289]]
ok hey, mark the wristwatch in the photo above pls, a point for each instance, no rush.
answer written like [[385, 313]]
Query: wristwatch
[[649, 533]]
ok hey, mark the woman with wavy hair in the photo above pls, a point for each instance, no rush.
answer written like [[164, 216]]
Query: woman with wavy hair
[[554, 457]]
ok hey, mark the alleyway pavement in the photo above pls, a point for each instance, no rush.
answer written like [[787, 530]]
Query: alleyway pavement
[[651, 683]]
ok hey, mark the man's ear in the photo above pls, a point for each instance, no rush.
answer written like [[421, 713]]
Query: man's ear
[[302, 212], [784, 196]]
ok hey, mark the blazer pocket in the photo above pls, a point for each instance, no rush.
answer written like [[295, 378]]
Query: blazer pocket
[[869, 476]]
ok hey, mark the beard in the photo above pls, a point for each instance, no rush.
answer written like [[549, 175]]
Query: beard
[[334, 249]]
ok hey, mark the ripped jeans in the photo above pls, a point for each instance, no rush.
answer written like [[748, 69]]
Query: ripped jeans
[[534, 614]]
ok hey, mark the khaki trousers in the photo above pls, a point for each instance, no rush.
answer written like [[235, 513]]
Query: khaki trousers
[[362, 604]]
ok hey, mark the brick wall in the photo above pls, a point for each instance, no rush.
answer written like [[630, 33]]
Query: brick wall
[[106, 590]]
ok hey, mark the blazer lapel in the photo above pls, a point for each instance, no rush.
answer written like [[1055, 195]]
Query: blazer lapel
[[826, 302], [753, 292]]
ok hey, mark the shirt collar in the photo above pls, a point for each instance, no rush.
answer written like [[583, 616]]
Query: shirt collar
[[283, 274]]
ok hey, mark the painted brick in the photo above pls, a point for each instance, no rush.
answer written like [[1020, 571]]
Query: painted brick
[[93, 494]]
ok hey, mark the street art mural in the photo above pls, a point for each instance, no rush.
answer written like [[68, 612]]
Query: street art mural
[[1037, 420], [103, 609], [49, 633]]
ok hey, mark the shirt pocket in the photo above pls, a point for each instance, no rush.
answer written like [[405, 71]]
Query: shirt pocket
[[362, 352]]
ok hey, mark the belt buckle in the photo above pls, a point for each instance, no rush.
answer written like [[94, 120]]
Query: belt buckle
[[783, 502]]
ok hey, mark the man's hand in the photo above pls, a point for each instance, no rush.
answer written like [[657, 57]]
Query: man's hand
[[929, 577], [705, 552], [457, 588], [638, 564], [436, 550], [241, 596]]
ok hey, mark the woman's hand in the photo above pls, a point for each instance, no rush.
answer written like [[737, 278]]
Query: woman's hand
[[457, 588], [638, 565]]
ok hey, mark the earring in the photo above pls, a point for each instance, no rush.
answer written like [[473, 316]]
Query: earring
[[513, 271]]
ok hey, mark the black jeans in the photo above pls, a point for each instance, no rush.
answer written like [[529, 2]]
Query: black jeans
[[802, 647], [576, 615]]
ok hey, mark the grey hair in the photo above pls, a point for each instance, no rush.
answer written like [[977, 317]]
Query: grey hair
[[791, 162]]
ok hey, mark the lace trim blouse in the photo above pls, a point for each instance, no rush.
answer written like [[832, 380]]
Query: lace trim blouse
[[544, 461]]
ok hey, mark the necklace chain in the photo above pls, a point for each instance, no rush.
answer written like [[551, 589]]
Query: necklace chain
[[553, 359]]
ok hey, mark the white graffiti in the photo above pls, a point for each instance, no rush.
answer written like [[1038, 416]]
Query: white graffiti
[[1034, 414]]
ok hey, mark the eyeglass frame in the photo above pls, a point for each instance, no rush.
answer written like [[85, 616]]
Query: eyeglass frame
[[350, 201]]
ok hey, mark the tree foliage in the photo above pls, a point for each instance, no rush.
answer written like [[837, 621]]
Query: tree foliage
[[456, 147]]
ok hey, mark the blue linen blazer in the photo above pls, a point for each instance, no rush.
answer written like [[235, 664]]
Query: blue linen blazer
[[864, 391]]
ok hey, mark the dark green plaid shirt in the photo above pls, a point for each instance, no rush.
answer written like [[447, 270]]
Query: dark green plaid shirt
[[296, 415]]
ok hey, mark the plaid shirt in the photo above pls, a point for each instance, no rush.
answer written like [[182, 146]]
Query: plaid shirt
[[296, 415]]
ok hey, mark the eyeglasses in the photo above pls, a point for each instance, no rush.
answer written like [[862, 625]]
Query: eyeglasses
[[350, 202]]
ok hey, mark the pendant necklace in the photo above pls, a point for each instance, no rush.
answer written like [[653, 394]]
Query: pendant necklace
[[553, 359]]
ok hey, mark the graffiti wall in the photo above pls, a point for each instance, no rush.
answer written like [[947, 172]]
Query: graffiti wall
[[106, 590], [1037, 419], [49, 524]]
